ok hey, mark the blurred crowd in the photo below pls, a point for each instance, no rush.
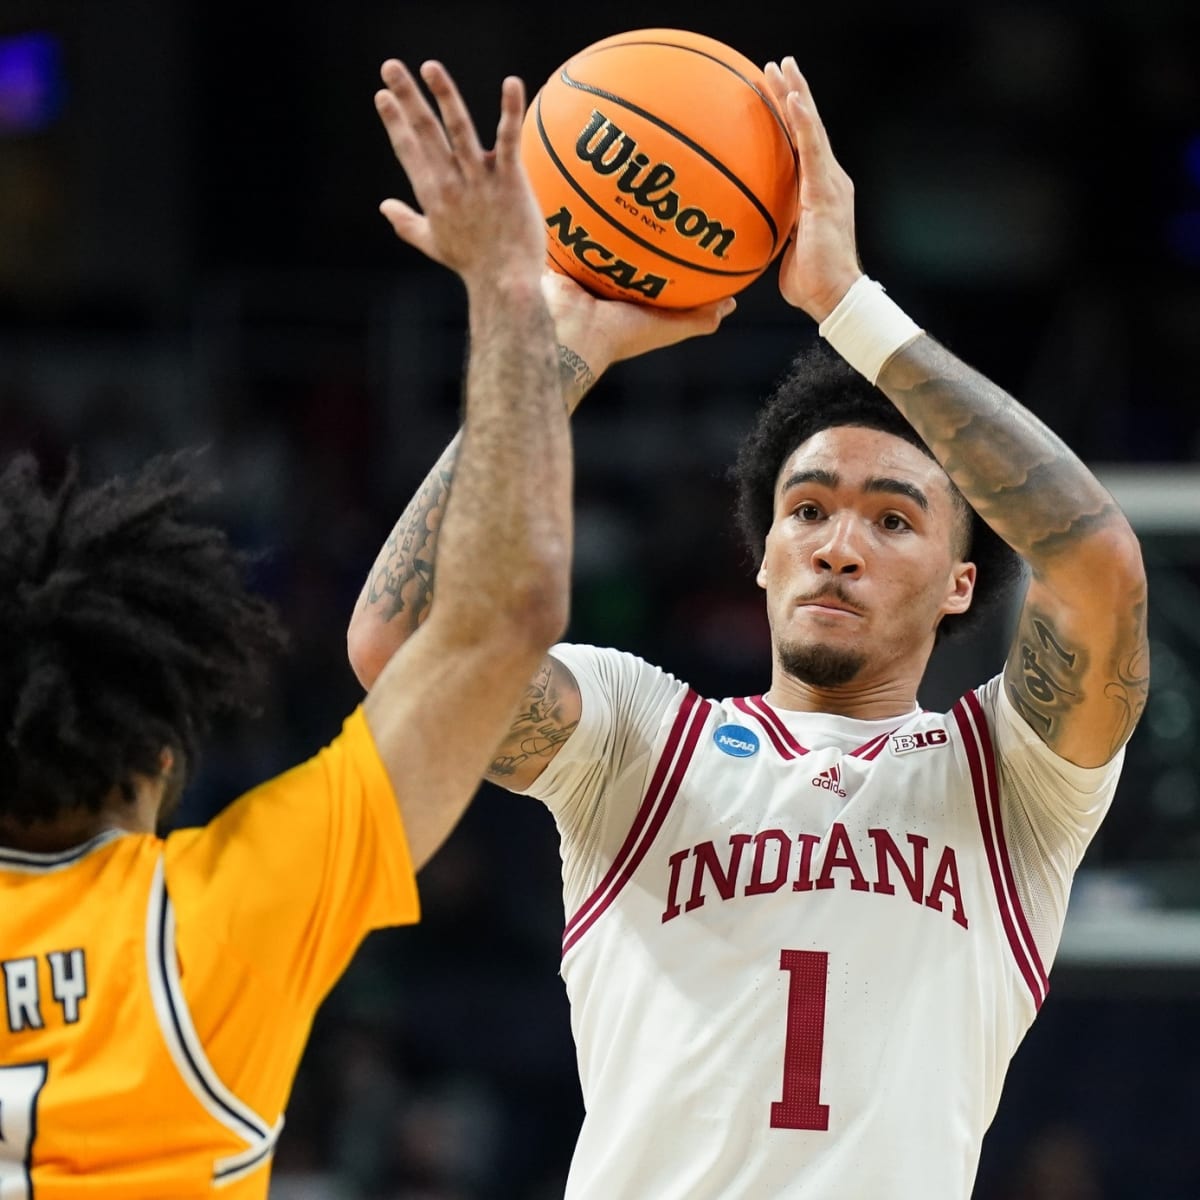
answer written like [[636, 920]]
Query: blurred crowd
[[1030, 184]]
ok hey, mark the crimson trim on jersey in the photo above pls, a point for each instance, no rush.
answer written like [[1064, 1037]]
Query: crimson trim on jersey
[[780, 735], [989, 760], [784, 740], [972, 724], [652, 812], [869, 750]]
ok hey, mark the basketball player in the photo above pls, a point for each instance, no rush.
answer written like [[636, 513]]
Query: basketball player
[[806, 930], [157, 992]]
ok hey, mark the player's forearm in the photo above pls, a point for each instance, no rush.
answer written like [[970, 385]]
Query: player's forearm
[[505, 540], [396, 597], [1021, 478], [400, 585]]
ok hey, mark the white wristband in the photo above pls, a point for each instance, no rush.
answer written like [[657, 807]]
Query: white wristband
[[868, 327]]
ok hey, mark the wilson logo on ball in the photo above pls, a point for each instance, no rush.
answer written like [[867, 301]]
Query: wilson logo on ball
[[607, 149], [600, 258], [664, 170]]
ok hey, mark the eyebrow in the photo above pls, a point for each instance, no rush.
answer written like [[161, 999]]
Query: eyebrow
[[875, 483]]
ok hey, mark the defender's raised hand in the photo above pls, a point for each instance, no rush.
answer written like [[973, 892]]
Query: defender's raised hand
[[477, 212], [821, 262]]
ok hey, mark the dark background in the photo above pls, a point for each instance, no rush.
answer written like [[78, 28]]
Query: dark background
[[190, 252]]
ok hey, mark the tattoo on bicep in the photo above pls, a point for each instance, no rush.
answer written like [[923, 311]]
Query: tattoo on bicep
[[538, 729], [402, 579], [1041, 676]]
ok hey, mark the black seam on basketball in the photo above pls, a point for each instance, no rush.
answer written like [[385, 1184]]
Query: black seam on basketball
[[787, 133], [770, 105], [633, 237]]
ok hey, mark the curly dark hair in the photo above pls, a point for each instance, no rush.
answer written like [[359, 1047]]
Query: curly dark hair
[[126, 626], [821, 391]]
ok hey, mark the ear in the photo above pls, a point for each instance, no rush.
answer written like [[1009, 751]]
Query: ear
[[761, 577], [960, 589], [166, 760]]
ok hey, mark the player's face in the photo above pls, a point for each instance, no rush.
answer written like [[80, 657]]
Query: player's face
[[862, 559]]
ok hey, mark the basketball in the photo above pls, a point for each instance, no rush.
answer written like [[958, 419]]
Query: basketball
[[664, 169]]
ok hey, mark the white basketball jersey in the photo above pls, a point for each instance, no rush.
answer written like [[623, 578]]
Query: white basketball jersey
[[800, 949]]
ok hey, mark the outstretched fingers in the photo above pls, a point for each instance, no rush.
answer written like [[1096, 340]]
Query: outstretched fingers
[[474, 210], [417, 137], [512, 116], [459, 128]]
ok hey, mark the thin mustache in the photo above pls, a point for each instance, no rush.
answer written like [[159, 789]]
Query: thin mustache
[[830, 590]]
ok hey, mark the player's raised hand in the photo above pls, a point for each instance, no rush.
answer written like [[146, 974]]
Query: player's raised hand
[[821, 262], [477, 213]]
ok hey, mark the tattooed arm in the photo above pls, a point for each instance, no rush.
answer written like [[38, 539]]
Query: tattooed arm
[[398, 593], [396, 598], [1078, 669], [547, 717]]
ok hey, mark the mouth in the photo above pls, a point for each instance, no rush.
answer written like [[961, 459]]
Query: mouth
[[829, 610], [829, 605]]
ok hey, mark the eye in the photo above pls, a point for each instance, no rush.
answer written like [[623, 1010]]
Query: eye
[[893, 522], [807, 512]]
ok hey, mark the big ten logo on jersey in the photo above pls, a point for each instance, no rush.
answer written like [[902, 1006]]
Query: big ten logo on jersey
[[923, 739], [31, 988]]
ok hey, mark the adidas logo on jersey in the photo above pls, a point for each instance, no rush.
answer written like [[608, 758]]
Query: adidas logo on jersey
[[831, 780]]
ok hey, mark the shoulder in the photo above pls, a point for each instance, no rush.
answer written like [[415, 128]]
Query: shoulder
[[988, 717], [607, 661], [615, 678]]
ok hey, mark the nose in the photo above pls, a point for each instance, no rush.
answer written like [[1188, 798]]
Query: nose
[[839, 552]]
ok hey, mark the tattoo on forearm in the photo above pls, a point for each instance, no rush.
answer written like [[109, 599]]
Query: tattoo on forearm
[[574, 374], [1031, 488], [402, 578], [538, 729], [1015, 472]]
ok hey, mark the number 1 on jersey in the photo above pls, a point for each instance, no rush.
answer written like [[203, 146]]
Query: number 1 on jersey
[[801, 1106]]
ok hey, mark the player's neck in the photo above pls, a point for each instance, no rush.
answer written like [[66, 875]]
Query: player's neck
[[77, 826], [865, 701]]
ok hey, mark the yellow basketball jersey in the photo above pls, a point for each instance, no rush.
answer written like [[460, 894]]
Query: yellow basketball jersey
[[156, 995]]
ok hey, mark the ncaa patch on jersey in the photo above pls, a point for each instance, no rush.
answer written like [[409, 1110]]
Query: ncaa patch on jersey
[[736, 740]]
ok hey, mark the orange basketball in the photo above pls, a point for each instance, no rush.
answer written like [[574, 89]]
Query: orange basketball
[[666, 173]]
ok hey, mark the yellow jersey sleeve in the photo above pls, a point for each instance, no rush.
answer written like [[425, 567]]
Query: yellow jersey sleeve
[[290, 878]]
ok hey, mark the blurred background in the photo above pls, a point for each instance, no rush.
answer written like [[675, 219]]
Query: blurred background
[[190, 253]]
